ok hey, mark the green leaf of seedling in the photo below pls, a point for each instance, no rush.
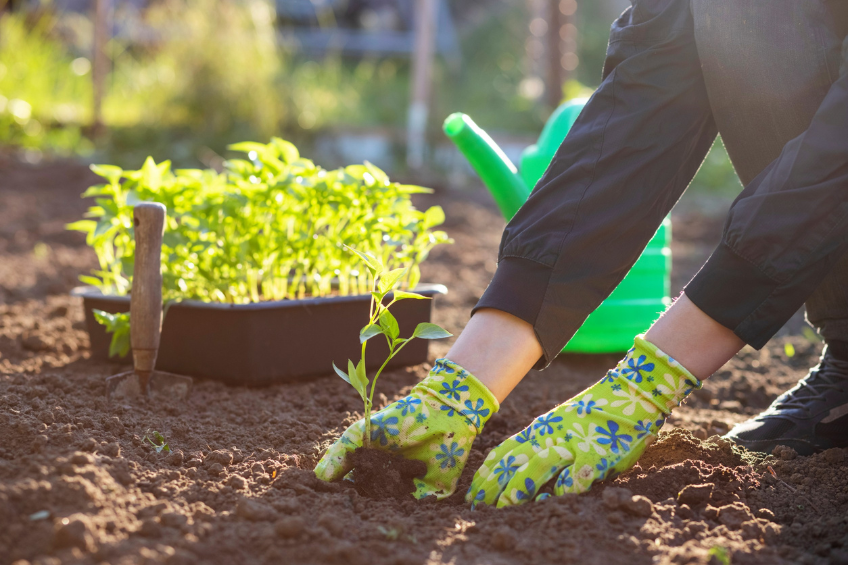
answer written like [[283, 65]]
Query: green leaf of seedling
[[342, 374], [390, 279], [378, 296], [389, 324], [414, 276], [86, 226], [357, 378], [434, 216], [151, 175], [413, 189], [108, 172], [426, 330], [247, 147], [93, 281], [97, 190], [402, 294], [372, 262], [120, 344], [119, 326], [362, 378], [133, 198], [286, 150], [368, 332]]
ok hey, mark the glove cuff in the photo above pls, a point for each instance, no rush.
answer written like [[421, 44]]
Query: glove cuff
[[662, 380], [460, 391]]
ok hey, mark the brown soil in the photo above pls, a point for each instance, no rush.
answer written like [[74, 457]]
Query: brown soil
[[79, 485], [381, 474]]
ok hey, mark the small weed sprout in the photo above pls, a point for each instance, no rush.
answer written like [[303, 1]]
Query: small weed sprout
[[381, 321], [720, 554], [157, 440], [391, 534]]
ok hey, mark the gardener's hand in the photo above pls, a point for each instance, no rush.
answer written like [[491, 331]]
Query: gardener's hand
[[597, 434], [436, 424]]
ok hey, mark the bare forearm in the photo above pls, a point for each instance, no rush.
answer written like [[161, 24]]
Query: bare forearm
[[498, 349], [696, 341]]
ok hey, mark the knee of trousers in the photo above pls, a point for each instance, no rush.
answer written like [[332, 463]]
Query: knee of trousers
[[767, 65]]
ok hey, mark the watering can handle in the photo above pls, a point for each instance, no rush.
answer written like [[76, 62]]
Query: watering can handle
[[495, 169]]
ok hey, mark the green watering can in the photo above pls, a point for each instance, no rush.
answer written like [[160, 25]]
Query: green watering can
[[639, 298]]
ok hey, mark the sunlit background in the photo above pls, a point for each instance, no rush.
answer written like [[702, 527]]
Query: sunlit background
[[345, 80]]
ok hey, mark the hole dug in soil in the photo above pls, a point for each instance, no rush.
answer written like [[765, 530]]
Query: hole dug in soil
[[382, 474]]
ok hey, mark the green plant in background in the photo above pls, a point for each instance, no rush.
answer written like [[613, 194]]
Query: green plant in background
[[272, 226], [382, 322], [119, 326], [44, 91]]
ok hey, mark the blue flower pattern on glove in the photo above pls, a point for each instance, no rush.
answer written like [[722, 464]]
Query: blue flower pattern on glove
[[452, 390], [586, 407], [564, 479], [475, 413], [525, 435], [407, 405], [506, 469], [528, 492], [612, 438], [449, 455], [545, 423], [644, 428], [382, 428], [635, 367]]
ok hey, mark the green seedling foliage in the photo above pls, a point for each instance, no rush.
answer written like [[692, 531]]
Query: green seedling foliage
[[272, 226], [390, 534], [721, 554], [789, 349], [382, 321], [157, 440], [119, 326]]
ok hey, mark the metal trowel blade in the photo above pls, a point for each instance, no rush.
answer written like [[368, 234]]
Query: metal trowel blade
[[166, 385]]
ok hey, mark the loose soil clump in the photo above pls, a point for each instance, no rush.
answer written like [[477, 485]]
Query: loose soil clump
[[79, 485], [382, 474]]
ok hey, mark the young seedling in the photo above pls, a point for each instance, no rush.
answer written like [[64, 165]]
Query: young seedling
[[382, 322], [159, 444], [119, 326]]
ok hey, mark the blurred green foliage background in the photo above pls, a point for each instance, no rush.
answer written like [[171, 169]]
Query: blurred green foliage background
[[206, 73]]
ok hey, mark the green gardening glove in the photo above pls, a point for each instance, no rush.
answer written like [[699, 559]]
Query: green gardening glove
[[595, 435], [436, 424]]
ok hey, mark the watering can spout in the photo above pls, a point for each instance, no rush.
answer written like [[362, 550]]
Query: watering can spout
[[495, 169]]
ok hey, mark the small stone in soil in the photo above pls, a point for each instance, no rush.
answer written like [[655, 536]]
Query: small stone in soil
[[381, 474]]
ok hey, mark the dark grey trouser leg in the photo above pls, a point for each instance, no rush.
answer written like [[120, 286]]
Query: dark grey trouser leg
[[626, 161], [827, 308], [767, 66]]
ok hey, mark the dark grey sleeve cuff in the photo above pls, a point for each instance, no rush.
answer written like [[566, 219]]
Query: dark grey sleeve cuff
[[518, 288]]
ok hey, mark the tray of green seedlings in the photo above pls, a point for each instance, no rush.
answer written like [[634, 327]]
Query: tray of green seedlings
[[261, 282]]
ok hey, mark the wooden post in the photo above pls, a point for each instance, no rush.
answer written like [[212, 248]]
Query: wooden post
[[562, 47], [568, 35], [422, 71], [100, 61], [556, 75]]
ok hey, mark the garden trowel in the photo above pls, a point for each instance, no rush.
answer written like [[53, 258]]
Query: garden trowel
[[146, 314]]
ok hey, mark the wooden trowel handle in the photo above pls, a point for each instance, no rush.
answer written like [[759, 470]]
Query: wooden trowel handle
[[146, 296]]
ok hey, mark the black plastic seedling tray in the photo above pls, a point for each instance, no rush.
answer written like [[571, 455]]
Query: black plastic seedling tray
[[266, 342]]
